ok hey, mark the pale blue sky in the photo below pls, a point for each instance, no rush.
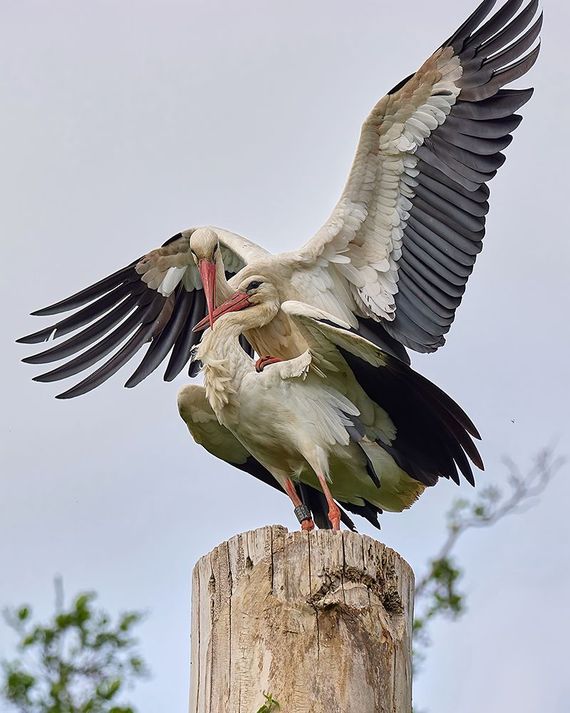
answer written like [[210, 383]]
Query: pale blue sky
[[125, 122]]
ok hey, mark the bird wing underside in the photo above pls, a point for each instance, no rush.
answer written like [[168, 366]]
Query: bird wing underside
[[153, 302], [404, 237]]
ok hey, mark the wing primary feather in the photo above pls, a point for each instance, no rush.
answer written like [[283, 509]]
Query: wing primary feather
[[510, 31], [474, 144], [161, 344], [90, 293], [89, 335], [105, 371], [501, 77], [96, 352], [471, 23], [186, 339], [481, 167], [433, 394], [504, 103], [516, 49], [494, 23], [80, 318], [489, 129]]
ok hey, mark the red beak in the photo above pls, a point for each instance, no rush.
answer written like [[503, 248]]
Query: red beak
[[208, 274], [237, 302]]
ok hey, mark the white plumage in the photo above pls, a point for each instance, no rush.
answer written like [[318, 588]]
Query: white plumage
[[295, 416]]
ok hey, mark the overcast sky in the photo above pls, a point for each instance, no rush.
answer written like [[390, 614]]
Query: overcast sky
[[123, 123]]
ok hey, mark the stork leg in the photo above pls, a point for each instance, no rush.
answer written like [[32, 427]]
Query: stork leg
[[334, 510], [264, 361], [301, 511]]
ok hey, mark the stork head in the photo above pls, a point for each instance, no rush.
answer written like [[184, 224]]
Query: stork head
[[255, 294], [205, 249]]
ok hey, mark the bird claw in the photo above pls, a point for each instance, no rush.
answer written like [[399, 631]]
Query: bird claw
[[264, 361], [307, 525]]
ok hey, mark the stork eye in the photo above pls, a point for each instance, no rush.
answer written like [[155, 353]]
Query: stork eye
[[254, 285]]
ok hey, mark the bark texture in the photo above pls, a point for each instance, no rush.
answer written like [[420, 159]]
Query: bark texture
[[322, 621]]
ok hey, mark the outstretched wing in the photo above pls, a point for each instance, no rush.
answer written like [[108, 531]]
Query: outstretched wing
[[433, 435], [405, 234], [154, 301]]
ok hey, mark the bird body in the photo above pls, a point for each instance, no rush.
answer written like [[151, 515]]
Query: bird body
[[295, 424], [299, 417], [205, 429]]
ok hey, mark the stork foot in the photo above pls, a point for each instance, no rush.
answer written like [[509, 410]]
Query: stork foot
[[334, 517], [264, 361], [307, 525]]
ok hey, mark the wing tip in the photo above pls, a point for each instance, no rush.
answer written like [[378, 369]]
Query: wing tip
[[32, 359], [45, 311], [36, 337]]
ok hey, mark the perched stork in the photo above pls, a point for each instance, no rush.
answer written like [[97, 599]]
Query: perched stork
[[206, 430], [308, 419], [393, 259]]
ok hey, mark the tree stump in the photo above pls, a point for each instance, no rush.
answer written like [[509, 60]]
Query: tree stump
[[322, 621]]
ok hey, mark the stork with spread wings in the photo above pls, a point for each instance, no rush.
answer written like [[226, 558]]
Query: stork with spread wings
[[393, 259]]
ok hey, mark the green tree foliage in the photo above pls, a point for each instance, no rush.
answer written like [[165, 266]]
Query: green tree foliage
[[78, 662], [438, 593]]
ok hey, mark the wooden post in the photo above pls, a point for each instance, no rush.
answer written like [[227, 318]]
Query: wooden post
[[321, 621]]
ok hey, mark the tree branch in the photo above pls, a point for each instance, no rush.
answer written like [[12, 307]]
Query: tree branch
[[492, 506]]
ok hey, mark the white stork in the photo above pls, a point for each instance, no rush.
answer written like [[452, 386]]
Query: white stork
[[206, 430], [308, 419], [393, 259]]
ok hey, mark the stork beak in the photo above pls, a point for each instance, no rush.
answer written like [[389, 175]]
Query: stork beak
[[237, 302], [207, 270]]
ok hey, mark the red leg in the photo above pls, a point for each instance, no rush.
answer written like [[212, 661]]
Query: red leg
[[307, 523], [334, 510], [264, 361]]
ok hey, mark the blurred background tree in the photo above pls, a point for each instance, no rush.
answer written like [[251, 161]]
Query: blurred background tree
[[437, 590], [77, 662]]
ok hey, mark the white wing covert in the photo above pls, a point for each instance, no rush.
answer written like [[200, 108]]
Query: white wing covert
[[433, 435]]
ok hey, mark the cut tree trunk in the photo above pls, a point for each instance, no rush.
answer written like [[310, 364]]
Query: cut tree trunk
[[322, 621]]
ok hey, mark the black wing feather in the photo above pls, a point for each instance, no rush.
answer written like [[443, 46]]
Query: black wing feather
[[446, 224], [119, 313], [433, 434]]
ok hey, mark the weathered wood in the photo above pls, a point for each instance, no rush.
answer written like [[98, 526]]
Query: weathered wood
[[322, 621]]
